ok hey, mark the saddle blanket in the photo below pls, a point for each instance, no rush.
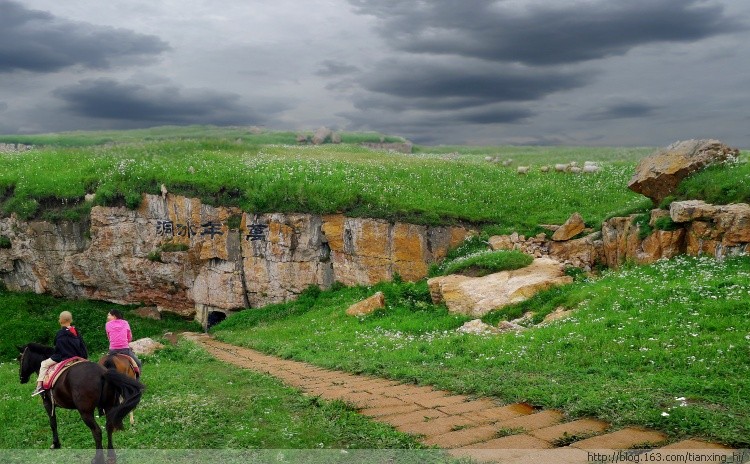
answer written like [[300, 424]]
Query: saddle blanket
[[54, 373]]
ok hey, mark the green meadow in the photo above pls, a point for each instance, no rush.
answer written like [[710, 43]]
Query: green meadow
[[638, 341], [192, 401], [665, 346]]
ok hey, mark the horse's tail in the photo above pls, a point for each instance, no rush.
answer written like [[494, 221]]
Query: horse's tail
[[130, 390], [108, 362]]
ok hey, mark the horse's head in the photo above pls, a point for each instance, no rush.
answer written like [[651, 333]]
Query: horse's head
[[31, 359], [25, 368]]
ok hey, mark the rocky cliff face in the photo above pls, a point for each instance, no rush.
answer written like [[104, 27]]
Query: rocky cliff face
[[231, 259], [697, 229]]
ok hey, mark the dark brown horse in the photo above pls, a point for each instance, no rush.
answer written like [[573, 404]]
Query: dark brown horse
[[122, 364], [85, 387]]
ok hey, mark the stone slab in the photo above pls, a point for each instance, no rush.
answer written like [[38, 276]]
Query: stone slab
[[581, 427], [622, 439], [462, 437], [437, 426], [532, 421]]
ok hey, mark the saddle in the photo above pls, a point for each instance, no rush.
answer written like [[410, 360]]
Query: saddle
[[133, 364], [53, 374]]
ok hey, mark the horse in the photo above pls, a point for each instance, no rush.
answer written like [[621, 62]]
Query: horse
[[121, 363], [85, 387]]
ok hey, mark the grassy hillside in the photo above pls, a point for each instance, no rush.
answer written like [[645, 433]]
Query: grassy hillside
[[639, 340], [262, 171], [249, 135], [422, 188]]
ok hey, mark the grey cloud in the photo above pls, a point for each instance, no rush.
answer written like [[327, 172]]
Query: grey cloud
[[3, 106], [38, 41], [428, 92], [621, 110], [332, 68], [468, 79], [490, 115], [543, 34], [112, 100]]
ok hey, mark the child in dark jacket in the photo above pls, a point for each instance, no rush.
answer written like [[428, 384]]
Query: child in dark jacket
[[68, 344]]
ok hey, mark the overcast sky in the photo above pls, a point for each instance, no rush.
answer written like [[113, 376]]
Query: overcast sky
[[570, 72]]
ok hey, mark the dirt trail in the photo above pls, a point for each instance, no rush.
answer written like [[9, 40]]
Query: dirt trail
[[478, 428]]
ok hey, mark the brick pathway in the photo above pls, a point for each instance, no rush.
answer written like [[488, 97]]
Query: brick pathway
[[477, 428]]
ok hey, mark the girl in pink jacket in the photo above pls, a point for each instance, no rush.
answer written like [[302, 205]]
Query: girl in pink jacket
[[120, 336]]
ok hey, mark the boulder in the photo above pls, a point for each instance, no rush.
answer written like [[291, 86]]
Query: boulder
[[691, 210], [509, 326], [658, 175], [572, 227], [585, 251], [367, 306], [321, 135], [148, 312], [145, 346], [476, 296], [501, 242], [477, 327]]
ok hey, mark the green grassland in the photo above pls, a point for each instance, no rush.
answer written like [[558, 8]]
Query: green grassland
[[192, 401], [249, 135], [422, 188], [639, 339]]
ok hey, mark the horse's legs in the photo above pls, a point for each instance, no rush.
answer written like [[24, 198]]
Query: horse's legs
[[111, 458], [52, 420], [96, 431]]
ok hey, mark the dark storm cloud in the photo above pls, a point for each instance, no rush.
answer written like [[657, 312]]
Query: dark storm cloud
[[470, 80], [543, 34], [622, 110], [110, 99], [490, 115], [38, 41], [332, 68]]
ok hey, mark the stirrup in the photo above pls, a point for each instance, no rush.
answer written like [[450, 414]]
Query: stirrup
[[38, 391]]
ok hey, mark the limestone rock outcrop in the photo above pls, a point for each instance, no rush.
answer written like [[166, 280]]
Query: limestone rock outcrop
[[367, 306], [572, 227], [477, 327], [658, 175], [321, 135], [476, 296], [145, 346], [192, 259]]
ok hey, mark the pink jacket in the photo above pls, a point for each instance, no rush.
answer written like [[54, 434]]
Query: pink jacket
[[118, 332]]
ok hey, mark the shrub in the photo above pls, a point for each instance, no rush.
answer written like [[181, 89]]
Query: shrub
[[4, 242], [485, 263], [155, 256], [173, 247], [234, 222], [667, 201], [24, 207], [644, 228], [666, 223]]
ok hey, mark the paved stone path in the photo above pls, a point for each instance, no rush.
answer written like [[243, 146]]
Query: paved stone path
[[478, 428]]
